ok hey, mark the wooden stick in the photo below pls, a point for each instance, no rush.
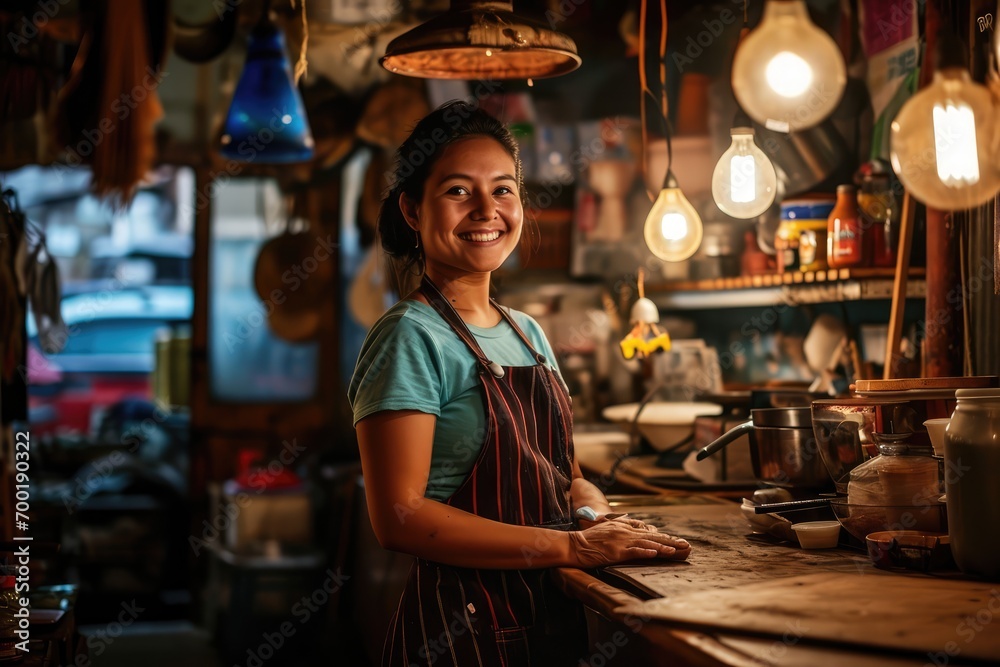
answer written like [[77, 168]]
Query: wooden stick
[[899, 289]]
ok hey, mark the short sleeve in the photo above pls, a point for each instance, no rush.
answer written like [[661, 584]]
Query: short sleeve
[[398, 369]]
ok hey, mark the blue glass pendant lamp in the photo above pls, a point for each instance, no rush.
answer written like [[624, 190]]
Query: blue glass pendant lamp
[[267, 121]]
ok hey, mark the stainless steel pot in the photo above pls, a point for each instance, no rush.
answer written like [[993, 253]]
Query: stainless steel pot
[[806, 157], [783, 448]]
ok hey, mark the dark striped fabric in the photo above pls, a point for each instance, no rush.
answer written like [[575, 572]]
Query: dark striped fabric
[[460, 617]]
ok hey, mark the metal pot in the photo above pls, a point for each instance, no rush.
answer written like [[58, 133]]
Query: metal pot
[[805, 157], [783, 449]]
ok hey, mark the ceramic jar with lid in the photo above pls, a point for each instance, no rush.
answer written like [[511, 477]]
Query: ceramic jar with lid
[[972, 481]]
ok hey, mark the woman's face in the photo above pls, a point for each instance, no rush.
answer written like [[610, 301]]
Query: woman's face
[[470, 217]]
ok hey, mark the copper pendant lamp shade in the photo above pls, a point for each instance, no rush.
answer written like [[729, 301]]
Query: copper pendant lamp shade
[[481, 39]]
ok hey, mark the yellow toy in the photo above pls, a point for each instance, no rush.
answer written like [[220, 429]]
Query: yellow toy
[[645, 338]]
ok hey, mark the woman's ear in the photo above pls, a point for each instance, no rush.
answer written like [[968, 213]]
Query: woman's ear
[[409, 209]]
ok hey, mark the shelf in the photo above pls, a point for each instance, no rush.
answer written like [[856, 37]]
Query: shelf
[[790, 288]]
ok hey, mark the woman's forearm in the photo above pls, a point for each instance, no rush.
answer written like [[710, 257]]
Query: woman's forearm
[[432, 530], [584, 493]]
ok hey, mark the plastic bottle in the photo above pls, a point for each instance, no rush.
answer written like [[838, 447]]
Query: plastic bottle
[[972, 467], [845, 235]]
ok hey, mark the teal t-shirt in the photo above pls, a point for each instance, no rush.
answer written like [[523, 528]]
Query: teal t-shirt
[[412, 360]]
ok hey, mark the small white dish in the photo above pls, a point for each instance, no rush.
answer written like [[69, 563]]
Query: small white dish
[[817, 534], [935, 429]]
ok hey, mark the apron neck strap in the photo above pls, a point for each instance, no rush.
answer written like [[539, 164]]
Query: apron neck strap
[[451, 316]]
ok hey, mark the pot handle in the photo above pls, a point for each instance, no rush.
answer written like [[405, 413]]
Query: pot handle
[[724, 439]]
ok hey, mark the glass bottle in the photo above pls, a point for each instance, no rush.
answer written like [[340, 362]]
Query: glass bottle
[[879, 219], [972, 467], [845, 236]]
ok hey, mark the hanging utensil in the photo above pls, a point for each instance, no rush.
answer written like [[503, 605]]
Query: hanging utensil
[[292, 275]]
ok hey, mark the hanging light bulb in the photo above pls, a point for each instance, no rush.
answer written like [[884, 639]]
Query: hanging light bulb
[[744, 182], [673, 228], [788, 74], [941, 140], [267, 121]]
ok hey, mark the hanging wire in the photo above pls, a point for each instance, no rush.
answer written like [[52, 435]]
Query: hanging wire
[[664, 103], [645, 90]]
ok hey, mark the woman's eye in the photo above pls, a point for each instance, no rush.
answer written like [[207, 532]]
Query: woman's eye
[[457, 190], [504, 190]]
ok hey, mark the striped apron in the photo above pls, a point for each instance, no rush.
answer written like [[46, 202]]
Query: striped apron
[[460, 617]]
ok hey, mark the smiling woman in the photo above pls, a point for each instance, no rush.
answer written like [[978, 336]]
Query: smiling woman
[[465, 426], [470, 217]]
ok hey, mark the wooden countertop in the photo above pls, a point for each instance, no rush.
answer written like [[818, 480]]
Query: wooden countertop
[[742, 601]]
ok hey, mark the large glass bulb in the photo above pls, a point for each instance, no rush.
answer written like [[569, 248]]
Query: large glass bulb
[[787, 73], [941, 142], [673, 228], [744, 182]]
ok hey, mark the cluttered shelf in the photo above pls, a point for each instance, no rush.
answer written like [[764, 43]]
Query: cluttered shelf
[[790, 287]]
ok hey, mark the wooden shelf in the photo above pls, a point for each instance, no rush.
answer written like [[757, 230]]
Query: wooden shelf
[[790, 288]]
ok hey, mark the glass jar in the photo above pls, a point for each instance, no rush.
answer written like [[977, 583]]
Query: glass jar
[[902, 475], [972, 470], [798, 216], [845, 235], [812, 245], [9, 654], [899, 488], [786, 245]]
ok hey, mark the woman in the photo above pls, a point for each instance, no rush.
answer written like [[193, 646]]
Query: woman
[[465, 427]]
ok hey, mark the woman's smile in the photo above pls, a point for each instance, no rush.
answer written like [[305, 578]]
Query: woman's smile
[[481, 238]]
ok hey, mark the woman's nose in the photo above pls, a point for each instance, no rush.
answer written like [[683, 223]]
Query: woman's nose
[[485, 207]]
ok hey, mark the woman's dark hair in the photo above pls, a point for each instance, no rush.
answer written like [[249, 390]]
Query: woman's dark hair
[[451, 122]]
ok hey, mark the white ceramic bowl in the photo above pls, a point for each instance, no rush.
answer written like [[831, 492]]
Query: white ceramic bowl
[[817, 534], [663, 423]]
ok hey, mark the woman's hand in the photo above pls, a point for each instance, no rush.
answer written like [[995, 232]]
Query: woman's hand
[[614, 540], [624, 518]]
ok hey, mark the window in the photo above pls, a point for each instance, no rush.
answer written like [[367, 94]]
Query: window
[[247, 361]]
